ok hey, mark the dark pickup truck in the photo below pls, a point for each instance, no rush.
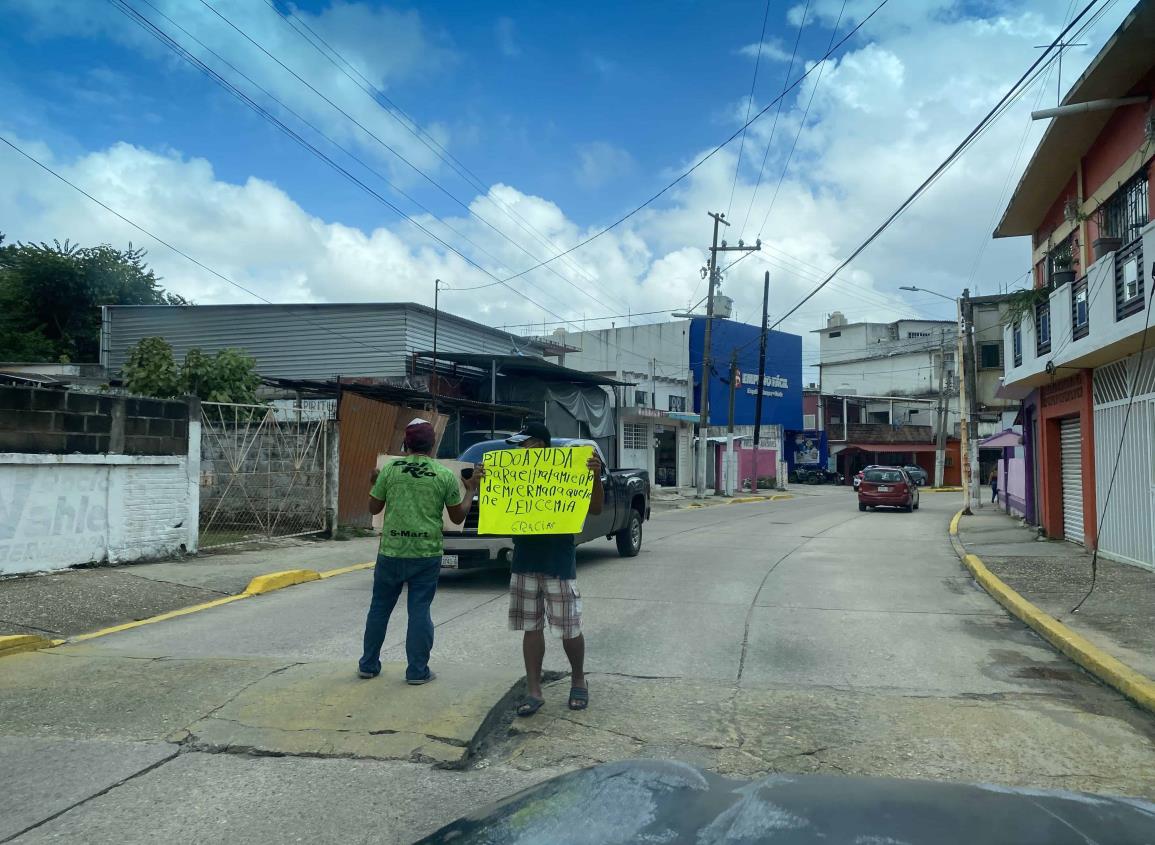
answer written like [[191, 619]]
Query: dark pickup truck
[[626, 507]]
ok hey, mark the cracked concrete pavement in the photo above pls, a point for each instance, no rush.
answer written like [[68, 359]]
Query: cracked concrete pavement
[[798, 635]]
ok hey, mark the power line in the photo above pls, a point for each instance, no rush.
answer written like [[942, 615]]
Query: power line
[[778, 113], [380, 99], [750, 103], [386, 146], [938, 171], [712, 152], [244, 98], [801, 126]]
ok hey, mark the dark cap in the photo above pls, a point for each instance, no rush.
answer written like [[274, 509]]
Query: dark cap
[[531, 431], [419, 436]]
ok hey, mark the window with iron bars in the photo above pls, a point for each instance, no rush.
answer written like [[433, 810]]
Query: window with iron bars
[[1080, 310], [1017, 343], [634, 436], [1042, 328], [1124, 213]]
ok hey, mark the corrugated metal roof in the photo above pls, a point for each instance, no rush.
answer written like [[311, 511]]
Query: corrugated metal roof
[[309, 341]]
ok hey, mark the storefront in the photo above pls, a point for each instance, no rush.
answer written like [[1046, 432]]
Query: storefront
[[659, 442], [1066, 463]]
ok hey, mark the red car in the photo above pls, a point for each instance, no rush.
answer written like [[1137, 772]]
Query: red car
[[889, 487]]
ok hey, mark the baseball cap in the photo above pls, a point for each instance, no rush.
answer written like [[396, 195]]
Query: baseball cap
[[530, 431], [419, 435]]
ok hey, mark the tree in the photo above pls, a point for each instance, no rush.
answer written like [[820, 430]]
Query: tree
[[151, 369], [228, 376], [50, 297]]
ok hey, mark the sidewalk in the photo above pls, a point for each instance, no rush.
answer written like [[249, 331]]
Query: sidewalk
[[76, 601], [1054, 575]]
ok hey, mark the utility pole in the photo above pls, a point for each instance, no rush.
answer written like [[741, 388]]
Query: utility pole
[[761, 379], [940, 448], [964, 410], [436, 312], [714, 276], [728, 464]]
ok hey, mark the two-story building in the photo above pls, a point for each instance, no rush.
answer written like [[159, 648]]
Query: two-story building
[[885, 390], [1077, 355]]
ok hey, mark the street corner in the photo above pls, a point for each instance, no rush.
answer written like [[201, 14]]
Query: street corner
[[325, 710], [19, 643], [279, 580]]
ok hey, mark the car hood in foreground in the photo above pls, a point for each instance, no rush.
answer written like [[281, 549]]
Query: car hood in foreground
[[668, 802]]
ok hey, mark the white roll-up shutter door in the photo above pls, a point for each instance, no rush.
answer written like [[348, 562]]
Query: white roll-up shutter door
[[1071, 474]]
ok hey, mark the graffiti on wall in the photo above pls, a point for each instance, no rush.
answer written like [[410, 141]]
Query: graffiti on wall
[[52, 514]]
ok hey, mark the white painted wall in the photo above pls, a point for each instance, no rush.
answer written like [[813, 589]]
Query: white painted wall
[[58, 511], [912, 374], [630, 349]]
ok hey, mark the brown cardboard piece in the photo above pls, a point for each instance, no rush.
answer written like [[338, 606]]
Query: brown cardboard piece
[[454, 466]]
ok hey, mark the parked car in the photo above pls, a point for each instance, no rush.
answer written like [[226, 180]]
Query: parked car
[[889, 487], [918, 475], [626, 508]]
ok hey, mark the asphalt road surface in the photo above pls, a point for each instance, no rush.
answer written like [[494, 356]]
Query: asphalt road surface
[[797, 635]]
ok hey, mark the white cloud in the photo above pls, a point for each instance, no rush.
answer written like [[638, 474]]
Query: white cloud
[[385, 46], [772, 50], [883, 116], [600, 163], [505, 31]]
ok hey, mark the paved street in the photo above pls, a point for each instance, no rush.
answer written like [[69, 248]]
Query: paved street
[[797, 635]]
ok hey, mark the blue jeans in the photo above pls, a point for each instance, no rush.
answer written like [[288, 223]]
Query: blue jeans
[[389, 576]]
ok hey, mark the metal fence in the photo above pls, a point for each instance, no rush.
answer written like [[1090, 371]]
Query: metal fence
[[264, 472]]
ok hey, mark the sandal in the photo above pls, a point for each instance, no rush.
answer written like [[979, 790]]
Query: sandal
[[530, 706], [579, 698]]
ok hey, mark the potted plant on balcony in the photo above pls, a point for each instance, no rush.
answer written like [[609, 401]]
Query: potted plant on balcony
[[1062, 272], [1105, 245], [1021, 305]]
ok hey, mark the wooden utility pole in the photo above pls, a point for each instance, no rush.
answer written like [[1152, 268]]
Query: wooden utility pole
[[714, 276]]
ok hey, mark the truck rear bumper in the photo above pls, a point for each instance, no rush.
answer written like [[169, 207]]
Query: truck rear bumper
[[477, 552]]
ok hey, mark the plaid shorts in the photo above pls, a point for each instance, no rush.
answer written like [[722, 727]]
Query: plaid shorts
[[535, 599]]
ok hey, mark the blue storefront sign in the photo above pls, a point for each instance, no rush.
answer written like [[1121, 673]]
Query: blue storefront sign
[[782, 384]]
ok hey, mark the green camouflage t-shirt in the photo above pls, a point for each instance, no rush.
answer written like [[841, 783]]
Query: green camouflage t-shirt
[[415, 490]]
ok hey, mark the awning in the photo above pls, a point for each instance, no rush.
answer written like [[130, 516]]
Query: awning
[[1003, 440], [892, 447]]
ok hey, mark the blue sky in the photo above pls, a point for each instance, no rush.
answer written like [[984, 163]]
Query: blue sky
[[569, 114]]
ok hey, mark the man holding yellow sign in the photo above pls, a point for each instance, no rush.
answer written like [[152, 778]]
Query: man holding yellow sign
[[541, 496]]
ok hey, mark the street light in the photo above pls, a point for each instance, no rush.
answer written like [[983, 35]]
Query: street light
[[924, 290]]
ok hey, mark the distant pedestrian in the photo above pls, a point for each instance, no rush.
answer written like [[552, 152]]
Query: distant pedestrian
[[994, 485], [413, 491], [543, 588]]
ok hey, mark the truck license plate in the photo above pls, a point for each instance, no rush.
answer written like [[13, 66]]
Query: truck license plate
[[449, 561], [883, 489]]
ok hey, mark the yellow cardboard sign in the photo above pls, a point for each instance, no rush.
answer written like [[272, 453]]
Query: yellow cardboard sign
[[535, 491]]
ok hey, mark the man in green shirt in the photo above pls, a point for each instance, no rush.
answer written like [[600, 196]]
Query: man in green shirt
[[413, 491]]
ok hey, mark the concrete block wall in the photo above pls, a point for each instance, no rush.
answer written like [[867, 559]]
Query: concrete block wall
[[42, 421], [95, 479]]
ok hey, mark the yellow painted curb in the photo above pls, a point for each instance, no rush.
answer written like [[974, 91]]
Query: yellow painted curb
[[1110, 670], [16, 643], [940, 489], [329, 573], [280, 580], [778, 497], [160, 617]]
